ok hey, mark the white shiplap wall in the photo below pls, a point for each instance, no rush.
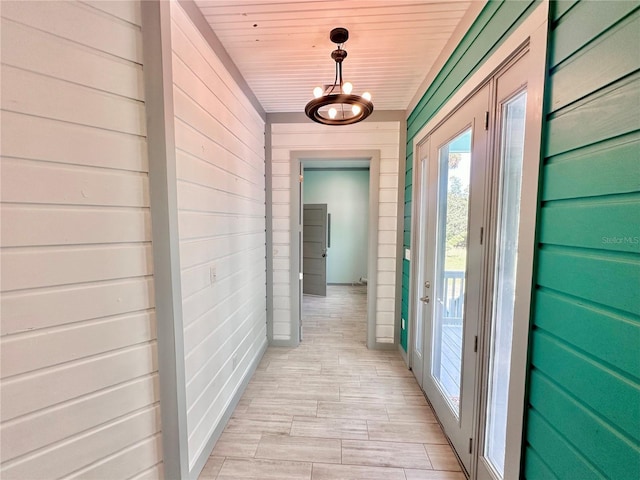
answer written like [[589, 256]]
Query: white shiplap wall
[[288, 137], [78, 347], [221, 210]]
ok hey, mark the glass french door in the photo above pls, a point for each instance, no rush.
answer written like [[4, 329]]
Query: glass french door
[[453, 189], [475, 197]]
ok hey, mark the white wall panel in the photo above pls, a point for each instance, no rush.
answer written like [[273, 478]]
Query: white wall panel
[[28, 137], [92, 446], [82, 24], [75, 417], [78, 359], [44, 182], [288, 137], [30, 93], [55, 346], [46, 307], [58, 57], [221, 217]]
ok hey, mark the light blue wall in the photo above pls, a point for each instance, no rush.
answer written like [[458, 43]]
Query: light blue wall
[[346, 193]]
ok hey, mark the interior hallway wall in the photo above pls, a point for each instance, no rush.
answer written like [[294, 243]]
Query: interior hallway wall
[[308, 136], [79, 368], [346, 193], [221, 218]]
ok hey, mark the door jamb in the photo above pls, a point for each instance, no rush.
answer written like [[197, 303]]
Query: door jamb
[[295, 268]]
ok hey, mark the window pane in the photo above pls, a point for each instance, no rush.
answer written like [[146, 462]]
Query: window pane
[[512, 154], [451, 265]]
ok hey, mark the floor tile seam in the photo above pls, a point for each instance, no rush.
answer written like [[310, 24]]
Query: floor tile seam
[[358, 465], [383, 466], [404, 441]]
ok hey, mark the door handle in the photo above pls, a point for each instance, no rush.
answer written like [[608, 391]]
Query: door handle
[[425, 299]]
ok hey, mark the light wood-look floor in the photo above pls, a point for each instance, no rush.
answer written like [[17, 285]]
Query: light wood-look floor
[[332, 409]]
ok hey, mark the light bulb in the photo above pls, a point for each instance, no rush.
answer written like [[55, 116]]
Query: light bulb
[[347, 87], [317, 92], [355, 109], [332, 112], [366, 96]]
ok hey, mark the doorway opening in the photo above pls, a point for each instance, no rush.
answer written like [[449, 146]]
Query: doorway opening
[[335, 227], [336, 244]]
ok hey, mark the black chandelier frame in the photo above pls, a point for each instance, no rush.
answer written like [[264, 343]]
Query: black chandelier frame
[[339, 99]]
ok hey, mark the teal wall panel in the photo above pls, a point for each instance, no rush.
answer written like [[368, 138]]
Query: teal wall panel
[[583, 414], [606, 168], [586, 22]]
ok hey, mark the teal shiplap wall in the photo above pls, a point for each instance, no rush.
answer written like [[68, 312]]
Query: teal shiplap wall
[[583, 417], [492, 26]]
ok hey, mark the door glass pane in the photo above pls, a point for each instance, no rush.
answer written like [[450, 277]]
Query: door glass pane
[[451, 261], [512, 154]]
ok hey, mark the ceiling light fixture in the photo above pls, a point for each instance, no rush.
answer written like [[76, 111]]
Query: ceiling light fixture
[[335, 104]]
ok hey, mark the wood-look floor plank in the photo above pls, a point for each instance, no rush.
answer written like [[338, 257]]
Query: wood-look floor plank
[[350, 409], [329, 428], [211, 468], [232, 444], [355, 472], [242, 423], [406, 432], [282, 406], [284, 447], [384, 454], [413, 474], [442, 457], [410, 413], [257, 469], [333, 409]]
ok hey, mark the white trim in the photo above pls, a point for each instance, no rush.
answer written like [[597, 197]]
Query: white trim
[[534, 30], [158, 82], [526, 235], [295, 265]]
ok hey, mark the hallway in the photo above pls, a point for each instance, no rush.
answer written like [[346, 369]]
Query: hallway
[[332, 410]]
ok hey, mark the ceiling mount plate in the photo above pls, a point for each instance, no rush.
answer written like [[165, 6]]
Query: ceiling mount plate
[[339, 35]]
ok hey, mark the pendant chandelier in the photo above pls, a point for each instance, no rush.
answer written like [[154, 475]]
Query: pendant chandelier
[[335, 104]]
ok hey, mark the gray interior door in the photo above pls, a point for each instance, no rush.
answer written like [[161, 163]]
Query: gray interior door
[[314, 250]]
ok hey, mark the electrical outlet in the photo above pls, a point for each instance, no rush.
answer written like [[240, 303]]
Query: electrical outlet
[[212, 274]]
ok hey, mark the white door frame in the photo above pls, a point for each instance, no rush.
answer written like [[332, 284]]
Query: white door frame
[[295, 268], [532, 31]]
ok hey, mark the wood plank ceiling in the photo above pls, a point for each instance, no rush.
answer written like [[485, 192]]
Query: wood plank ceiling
[[282, 48]]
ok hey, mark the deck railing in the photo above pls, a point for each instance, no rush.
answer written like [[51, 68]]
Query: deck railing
[[453, 302], [450, 335]]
